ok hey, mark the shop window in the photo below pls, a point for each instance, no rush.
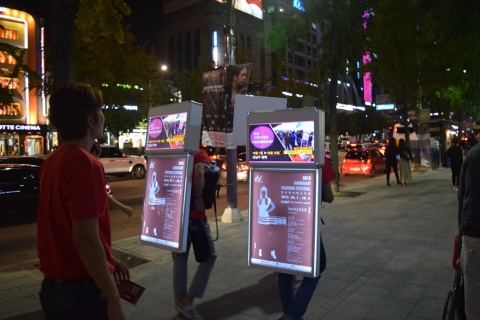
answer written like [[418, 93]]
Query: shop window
[[8, 111], [10, 83], [7, 58], [8, 34]]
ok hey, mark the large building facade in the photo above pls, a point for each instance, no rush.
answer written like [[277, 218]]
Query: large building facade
[[23, 123], [198, 28]]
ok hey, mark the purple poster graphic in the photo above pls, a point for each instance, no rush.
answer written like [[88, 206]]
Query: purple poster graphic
[[163, 201], [282, 142], [282, 226], [166, 132]]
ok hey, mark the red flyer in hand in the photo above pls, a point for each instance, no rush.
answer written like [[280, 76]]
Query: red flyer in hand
[[130, 291]]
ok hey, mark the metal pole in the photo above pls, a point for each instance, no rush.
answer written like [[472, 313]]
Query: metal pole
[[231, 213]]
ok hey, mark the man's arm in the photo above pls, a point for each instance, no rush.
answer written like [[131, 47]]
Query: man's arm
[[115, 204], [92, 253], [198, 184]]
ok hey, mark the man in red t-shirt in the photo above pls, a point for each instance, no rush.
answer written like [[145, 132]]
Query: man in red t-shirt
[[197, 220], [294, 305], [73, 223]]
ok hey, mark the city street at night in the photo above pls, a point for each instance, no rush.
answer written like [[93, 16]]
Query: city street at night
[[388, 257]]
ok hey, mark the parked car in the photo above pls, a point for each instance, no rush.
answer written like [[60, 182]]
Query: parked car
[[22, 160], [365, 161], [116, 163], [19, 192]]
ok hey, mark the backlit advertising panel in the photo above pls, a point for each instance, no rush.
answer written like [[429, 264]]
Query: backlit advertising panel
[[252, 7], [166, 132], [282, 142], [167, 195], [284, 229]]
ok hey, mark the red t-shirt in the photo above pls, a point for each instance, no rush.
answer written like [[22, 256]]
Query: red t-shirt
[[328, 174], [200, 157], [72, 188]]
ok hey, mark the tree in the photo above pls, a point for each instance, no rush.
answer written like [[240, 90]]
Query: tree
[[340, 23], [189, 83], [420, 48]]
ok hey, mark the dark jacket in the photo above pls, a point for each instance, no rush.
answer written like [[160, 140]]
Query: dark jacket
[[391, 155], [469, 191], [405, 153], [456, 156]]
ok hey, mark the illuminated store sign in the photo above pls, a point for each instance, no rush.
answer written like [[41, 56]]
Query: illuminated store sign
[[21, 127], [298, 4]]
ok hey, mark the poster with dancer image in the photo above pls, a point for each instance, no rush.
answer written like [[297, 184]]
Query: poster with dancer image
[[166, 132], [282, 142], [283, 220], [163, 207]]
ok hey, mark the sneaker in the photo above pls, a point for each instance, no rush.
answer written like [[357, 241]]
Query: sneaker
[[188, 312]]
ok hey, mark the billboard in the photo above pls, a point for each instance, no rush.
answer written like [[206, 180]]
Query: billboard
[[282, 142], [252, 7], [284, 220], [165, 206], [166, 132]]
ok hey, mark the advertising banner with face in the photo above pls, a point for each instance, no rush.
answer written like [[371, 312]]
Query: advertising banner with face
[[214, 114], [237, 83], [163, 202], [283, 220]]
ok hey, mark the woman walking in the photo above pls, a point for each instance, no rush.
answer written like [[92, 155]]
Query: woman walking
[[455, 153], [405, 157], [391, 160]]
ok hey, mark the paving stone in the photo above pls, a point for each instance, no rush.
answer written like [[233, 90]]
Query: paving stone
[[348, 311], [391, 310], [406, 292], [429, 308], [367, 295]]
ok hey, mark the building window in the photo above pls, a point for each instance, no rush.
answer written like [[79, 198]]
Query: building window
[[180, 53], [290, 57], [300, 46], [188, 51], [299, 61]]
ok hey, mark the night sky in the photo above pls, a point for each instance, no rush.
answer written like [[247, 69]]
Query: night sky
[[145, 19]]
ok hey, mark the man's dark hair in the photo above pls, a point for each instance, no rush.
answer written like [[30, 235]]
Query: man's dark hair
[[70, 106]]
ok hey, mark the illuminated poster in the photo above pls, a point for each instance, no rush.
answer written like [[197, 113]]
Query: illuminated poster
[[163, 201], [282, 142], [252, 7], [283, 220], [214, 115], [166, 132]]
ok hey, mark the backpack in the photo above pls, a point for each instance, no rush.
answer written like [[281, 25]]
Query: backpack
[[209, 193]]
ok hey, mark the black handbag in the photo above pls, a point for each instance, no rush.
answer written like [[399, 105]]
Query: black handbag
[[200, 242]]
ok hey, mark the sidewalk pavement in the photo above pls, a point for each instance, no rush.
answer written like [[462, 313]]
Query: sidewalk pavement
[[388, 250]]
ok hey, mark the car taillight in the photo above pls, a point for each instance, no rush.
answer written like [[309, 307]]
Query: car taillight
[[224, 166], [344, 160], [368, 161]]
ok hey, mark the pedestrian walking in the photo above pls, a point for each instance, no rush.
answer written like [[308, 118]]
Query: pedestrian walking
[[197, 222], [73, 221], [469, 228], [391, 159], [455, 153], [294, 305], [405, 158]]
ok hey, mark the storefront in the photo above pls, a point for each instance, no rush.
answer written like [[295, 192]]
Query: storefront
[[23, 139], [133, 142]]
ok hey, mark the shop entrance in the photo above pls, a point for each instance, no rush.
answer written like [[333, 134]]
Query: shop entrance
[[9, 144]]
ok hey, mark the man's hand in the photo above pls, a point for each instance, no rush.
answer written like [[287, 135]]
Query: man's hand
[[199, 205], [128, 210], [121, 271]]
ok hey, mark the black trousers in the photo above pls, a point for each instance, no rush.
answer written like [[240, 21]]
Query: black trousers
[[395, 170]]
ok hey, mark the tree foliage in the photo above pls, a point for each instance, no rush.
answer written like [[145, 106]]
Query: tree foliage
[[20, 67], [342, 38]]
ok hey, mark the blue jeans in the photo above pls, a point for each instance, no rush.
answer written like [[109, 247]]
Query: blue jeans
[[295, 305], [180, 268], [77, 299]]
